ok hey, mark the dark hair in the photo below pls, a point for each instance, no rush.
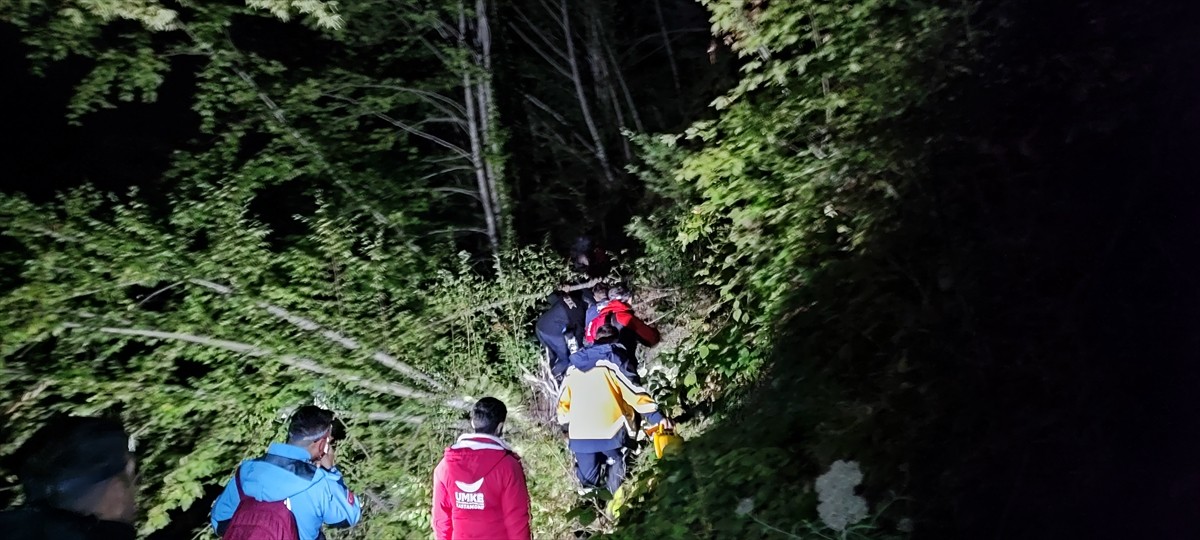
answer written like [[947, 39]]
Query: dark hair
[[309, 423], [607, 333], [600, 289], [487, 415], [64, 460]]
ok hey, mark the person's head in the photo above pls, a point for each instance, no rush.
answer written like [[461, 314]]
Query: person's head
[[312, 429], [600, 291], [82, 465], [488, 416], [620, 291], [580, 262], [607, 333]]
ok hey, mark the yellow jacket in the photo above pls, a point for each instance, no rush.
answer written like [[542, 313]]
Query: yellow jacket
[[598, 400]]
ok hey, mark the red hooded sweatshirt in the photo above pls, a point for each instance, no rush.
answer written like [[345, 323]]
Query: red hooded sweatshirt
[[479, 492]]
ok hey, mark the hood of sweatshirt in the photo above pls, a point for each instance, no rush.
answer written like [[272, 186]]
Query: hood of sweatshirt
[[475, 455], [586, 359]]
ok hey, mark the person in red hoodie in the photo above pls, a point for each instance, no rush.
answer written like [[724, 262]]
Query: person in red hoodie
[[479, 490]]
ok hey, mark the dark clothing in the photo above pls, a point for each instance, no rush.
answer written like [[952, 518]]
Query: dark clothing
[[559, 353], [565, 317], [589, 464], [40, 523], [590, 258]]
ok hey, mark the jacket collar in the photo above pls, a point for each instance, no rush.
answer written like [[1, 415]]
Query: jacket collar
[[289, 451], [480, 441]]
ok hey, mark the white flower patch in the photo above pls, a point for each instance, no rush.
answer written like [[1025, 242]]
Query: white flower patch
[[839, 507]]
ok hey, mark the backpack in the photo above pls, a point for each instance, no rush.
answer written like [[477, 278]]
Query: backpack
[[260, 520]]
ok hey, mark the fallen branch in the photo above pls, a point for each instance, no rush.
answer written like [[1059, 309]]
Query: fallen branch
[[29, 396], [331, 335], [261, 352], [524, 298], [382, 416]]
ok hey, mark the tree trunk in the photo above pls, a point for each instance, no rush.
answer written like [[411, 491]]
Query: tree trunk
[[662, 25], [606, 95], [474, 132], [488, 114], [616, 67], [581, 94]]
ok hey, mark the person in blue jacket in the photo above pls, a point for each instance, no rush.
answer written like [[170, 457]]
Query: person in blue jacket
[[300, 472]]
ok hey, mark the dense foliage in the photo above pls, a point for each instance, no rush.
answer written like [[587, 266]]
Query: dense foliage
[[787, 189], [906, 231], [294, 250], [886, 253], [204, 350]]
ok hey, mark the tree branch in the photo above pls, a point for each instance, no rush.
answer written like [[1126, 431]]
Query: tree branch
[[460, 191], [442, 103], [616, 66], [277, 113], [261, 352], [309, 325], [585, 285], [382, 416], [577, 79], [405, 127], [533, 26], [666, 38]]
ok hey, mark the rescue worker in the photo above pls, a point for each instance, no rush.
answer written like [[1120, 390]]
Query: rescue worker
[[79, 481], [479, 490], [597, 405], [561, 328], [618, 313], [297, 479], [608, 347]]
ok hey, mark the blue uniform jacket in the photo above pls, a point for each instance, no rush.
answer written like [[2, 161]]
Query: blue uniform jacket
[[561, 317], [316, 495]]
